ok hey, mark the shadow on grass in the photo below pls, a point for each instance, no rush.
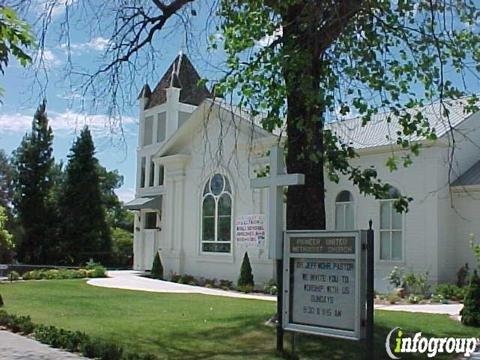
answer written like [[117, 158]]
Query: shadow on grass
[[251, 339]]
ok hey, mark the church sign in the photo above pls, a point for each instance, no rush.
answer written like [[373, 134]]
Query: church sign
[[324, 283], [250, 231]]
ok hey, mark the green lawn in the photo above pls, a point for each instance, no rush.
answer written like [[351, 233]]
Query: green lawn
[[191, 326]]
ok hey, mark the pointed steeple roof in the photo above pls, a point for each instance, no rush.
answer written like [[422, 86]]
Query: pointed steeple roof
[[183, 75], [145, 92]]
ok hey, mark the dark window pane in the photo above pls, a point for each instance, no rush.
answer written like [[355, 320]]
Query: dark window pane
[[150, 220], [344, 196], [215, 247], [216, 184], [224, 228], [208, 228], [161, 175], [143, 164], [209, 206], [152, 174], [225, 205]]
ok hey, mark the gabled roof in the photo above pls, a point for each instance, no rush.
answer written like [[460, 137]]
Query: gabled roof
[[469, 177], [183, 75], [378, 132], [197, 117]]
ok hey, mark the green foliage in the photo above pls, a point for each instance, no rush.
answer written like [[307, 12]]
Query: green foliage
[[122, 248], [73, 341], [13, 276], [417, 284], [393, 298], [475, 249], [99, 349], [245, 288], [270, 287], [6, 178], [392, 57], [471, 305], [157, 267], [16, 323], [463, 275], [1, 301], [96, 271], [395, 277], [85, 232], [246, 276], [33, 200], [225, 284], [451, 292], [15, 39], [187, 279], [6, 239]]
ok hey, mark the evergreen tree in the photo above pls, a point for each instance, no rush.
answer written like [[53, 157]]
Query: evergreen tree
[[32, 197], [157, 267], [246, 275], [471, 304], [6, 239], [6, 178], [85, 231]]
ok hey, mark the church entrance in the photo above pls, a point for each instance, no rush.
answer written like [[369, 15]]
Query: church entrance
[[151, 237]]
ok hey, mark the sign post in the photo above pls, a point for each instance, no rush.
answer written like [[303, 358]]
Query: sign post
[[275, 182], [324, 283]]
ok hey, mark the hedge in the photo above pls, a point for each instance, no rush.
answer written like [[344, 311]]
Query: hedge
[[73, 341]]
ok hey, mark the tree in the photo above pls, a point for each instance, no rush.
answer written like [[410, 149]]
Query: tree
[[157, 267], [471, 304], [15, 39], [85, 232], [6, 239], [346, 57], [246, 276], [304, 63], [32, 197], [6, 178]]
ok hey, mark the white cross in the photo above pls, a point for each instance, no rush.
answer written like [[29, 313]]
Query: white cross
[[275, 182]]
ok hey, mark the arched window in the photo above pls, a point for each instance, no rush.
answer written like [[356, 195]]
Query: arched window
[[217, 215], [344, 213], [390, 228]]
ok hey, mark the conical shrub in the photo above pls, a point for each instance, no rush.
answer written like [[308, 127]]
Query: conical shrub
[[471, 304], [157, 267], [246, 275]]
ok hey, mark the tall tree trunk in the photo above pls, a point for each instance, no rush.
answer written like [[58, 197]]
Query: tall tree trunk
[[302, 73]]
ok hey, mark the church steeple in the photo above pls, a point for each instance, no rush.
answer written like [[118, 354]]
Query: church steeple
[[180, 75]]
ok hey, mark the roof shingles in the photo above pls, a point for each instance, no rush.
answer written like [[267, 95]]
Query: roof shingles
[[181, 74]]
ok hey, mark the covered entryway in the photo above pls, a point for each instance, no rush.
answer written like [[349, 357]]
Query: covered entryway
[[148, 230]]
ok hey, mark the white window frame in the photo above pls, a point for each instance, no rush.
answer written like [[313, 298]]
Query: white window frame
[[216, 216], [344, 205], [390, 231]]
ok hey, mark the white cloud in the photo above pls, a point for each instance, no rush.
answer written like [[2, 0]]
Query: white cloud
[[67, 121], [54, 7], [267, 40], [125, 194], [50, 59], [98, 43]]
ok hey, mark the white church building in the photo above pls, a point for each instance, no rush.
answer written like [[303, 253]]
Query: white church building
[[196, 156]]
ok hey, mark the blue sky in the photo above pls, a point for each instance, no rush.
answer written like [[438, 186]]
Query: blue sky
[[65, 107], [69, 110]]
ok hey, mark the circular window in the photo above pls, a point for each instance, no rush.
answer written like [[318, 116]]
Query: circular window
[[216, 184]]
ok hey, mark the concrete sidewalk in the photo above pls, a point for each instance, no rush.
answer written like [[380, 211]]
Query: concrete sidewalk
[[132, 280], [16, 347], [446, 309]]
